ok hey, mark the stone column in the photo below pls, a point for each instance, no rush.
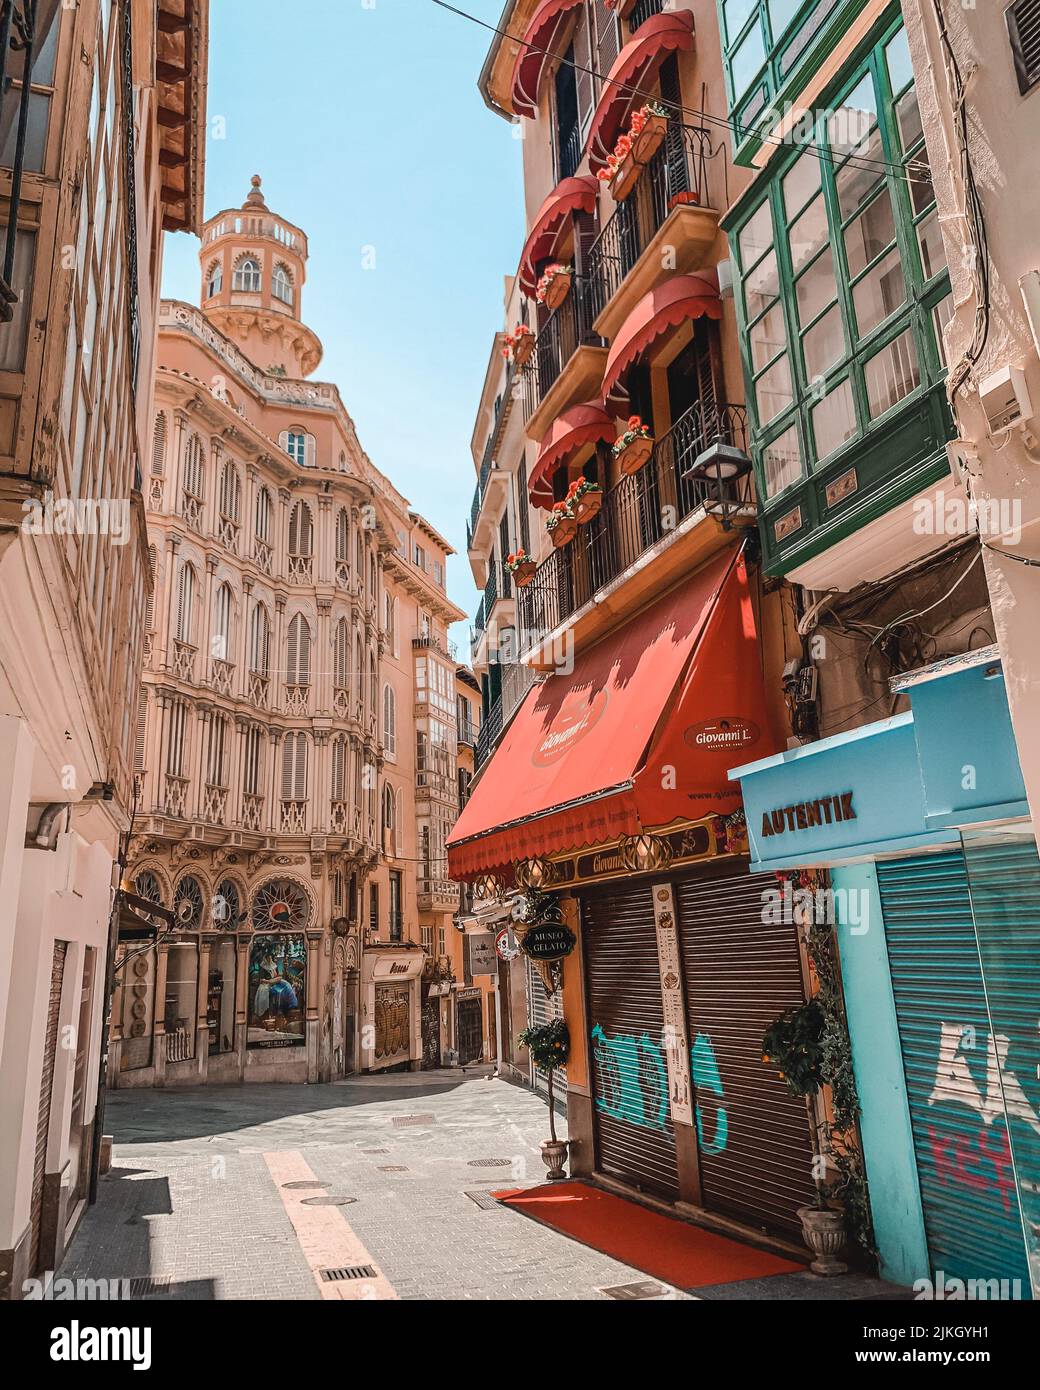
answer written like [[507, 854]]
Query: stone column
[[278, 671], [320, 787], [274, 773], [241, 684], [164, 633], [249, 514], [323, 683], [16, 759], [237, 768], [313, 1011], [280, 559], [173, 499], [205, 675], [202, 721]]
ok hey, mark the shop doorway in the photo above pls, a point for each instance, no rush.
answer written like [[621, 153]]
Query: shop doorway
[[470, 1032]]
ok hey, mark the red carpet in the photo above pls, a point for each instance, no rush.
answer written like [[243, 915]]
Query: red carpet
[[671, 1250]]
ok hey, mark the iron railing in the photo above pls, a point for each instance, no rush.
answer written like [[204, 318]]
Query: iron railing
[[516, 682], [676, 174], [490, 733], [641, 11], [490, 590], [637, 513], [17, 35], [570, 146], [564, 331]]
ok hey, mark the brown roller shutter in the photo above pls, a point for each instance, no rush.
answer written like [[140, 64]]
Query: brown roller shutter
[[43, 1114], [739, 973], [635, 1141]]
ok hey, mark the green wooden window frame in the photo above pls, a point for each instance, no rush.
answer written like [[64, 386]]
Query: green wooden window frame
[[762, 30], [790, 439]]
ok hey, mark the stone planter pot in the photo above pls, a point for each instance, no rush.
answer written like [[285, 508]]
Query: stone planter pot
[[824, 1234], [523, 574], [563, 532], [522, 350], [554, 1156], [650, 139], [557, 291], [632, 458], [587, 506]]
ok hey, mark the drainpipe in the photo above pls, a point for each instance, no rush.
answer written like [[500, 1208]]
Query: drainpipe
[[47, 829]]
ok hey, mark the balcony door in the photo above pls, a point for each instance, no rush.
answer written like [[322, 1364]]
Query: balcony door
[[693, 405]]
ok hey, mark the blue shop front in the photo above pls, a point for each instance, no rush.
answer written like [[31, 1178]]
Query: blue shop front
[[922, 822]]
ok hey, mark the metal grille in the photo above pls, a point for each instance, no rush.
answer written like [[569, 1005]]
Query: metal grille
[[341, 1272], [485, 1201], [1023, 21], [43, 1114], [634, 1136], [967, 1189], [413, 1120], [740, 973], [543, 1008]]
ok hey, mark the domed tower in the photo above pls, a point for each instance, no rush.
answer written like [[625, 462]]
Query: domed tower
[[253, 265]]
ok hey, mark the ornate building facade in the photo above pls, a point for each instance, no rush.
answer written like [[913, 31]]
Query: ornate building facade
[[297, 716]]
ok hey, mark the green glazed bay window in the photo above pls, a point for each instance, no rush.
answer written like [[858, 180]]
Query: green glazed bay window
[[843, 277]]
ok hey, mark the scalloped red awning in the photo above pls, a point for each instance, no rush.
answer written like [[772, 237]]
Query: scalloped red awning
[[575, 427], [681, 297], [569, 196], [634, 67], [537, 50], [679, 685]]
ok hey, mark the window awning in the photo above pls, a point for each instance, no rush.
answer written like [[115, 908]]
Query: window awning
[[570, 431], [681, 297], [537, 50], [569, 196], [635, 67], [639, 735]]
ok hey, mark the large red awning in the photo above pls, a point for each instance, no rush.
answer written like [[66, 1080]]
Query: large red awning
[[569, 196], [681, 297], [587, 757], [635, 67], [570, 431], [537, 50]]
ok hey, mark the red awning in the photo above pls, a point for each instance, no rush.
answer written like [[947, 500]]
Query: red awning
[[681, 297], [569, 196], [575, 427], [635, 67], [537, 50], [587, 757]]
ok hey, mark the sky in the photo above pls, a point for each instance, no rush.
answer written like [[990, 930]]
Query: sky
[[364, 120]]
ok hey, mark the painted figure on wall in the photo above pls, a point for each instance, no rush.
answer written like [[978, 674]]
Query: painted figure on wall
[[277, 971]]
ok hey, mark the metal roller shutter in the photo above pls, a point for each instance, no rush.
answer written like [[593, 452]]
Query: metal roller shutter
[[543, 1008], [740, 972], [43, 1113], [634, 1137], [968, 1193]]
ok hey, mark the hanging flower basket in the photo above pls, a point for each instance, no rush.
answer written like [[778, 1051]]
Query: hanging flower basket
[[554, 286], [633, 448], [561, 526], [522, 568], [586, 500], [519, 345]]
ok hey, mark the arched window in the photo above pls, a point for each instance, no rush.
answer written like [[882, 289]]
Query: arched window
[[359, 668], [373, 693], [214, 279], [389, 819], [193, 470], [247, 276], [389, 721], [263, 515], [217, 753], [359, 556], [296, 447], [281, 284], [230, 492], [294, 768], [189, 904], [341, 657], [260, 641], [371, 576], [183, 623], [148, 886], [149, 606], [159, 446], [390, 621], [301, 530], [222, 605], [298, 654]]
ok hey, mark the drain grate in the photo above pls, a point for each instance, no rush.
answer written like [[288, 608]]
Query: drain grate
[[299, 1186], [341, 1272], [644, 1289], [392, 1168], [485, 1201], [327, 1201], [375, 1151], [145, 1286], [490, 1163], [413, 1120]]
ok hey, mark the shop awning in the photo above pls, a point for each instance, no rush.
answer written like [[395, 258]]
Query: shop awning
[[570, 431], [539, 46], [569, 196], [681, 297], [587, 757], [626, 85]]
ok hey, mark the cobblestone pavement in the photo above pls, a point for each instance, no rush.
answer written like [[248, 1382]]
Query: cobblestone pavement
[[190, 1203]]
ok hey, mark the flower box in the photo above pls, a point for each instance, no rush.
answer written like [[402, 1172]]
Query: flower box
[[524, 573], [563, 532], [522, 349], [633, 456], [587, 506], [625, 177], [557, 290], [649, 139]]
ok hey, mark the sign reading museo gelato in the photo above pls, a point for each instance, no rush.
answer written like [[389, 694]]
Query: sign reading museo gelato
[[548, 941], [806, 815]]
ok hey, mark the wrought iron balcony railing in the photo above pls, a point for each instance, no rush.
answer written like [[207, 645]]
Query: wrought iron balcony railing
[[677, 174], [637, 513], [641, 11], [565, 330]]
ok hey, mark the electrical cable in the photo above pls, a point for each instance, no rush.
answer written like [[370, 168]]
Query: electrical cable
[[817, 151]]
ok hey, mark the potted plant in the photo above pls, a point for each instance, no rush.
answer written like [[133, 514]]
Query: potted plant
[[633, 446], [519, 345], [549, 1045], [521, 567], [561, 525], [554, 285], [586, 498], [735, 833], [634, 150], [648, 128]]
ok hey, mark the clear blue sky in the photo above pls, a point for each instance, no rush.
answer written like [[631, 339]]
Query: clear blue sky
[[364, 120]]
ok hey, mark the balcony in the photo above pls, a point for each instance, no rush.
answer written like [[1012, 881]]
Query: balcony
[[492, 487], [567, 363], [252, 811], [516, 682], [293, 817], [668, 208], [628, 553], [437, 895]]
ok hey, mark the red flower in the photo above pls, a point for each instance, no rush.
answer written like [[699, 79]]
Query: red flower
[[634, 422], [623, 146]]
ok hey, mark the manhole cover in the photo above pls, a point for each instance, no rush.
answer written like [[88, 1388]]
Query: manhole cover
[[485, 1201], [637, 1291], [392, 1168], [413, 1120], [333, 1276], [327, 1201], [299, 1186], [490, 1163]]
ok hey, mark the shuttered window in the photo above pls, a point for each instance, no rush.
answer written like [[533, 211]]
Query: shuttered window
[[341, 658], [584, 81], [221, 642], [252, 763], [298, 653], [260, 641], [193, 471], [263, 515], [343, 537], [300, 530], [176, 753], [230, 488], [185, 604], [608, 38], [142, 725], [149, 603], [216, 763], [294, 768], [340, 749], [159, 446], [389, 721], [1023, 21]]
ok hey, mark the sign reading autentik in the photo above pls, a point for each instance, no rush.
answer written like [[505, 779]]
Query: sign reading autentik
[[805, 815]]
